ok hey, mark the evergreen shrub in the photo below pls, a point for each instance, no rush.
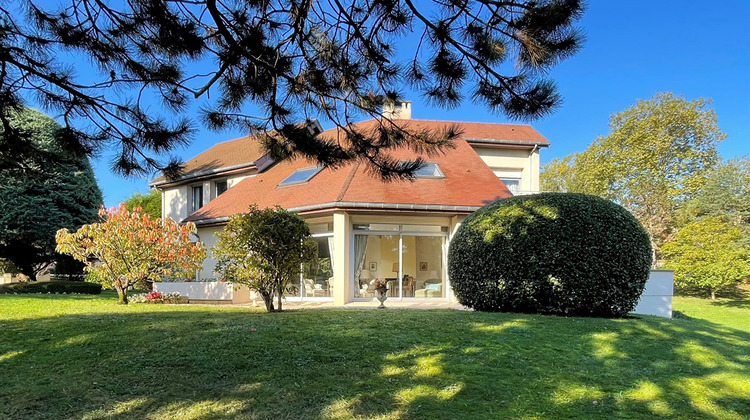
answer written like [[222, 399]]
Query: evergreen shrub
[[550, 253], [80, 287]]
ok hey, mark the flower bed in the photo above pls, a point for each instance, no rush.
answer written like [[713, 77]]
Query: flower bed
[[156, 297]]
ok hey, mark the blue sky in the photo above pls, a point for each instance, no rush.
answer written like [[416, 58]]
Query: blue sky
[[634, 49]]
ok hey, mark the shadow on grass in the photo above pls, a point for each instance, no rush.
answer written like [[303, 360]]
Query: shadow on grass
[[734, 297], [204, 363]]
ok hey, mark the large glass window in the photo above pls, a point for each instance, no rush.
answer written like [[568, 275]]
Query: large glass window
[[317, 276], [412, 264], [428, 279]]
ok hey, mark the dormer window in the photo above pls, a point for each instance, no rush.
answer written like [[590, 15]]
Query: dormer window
[[429, 170], [300, 176]]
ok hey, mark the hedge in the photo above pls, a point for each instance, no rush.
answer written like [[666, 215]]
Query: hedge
[[51, 287], [552, 253]]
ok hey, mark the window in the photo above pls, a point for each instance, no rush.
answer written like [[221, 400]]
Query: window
[[221, 186], [510, 177], [300, 176], [197, 196], [429, 170], [377, 226], [412, 265], [512, 184]]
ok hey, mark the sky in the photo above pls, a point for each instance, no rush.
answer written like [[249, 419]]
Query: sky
[[633, 50]]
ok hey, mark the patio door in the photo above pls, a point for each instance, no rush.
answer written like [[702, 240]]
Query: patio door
[[410, 259]]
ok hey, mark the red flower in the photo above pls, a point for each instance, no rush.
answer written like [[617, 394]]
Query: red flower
[[153, 296]]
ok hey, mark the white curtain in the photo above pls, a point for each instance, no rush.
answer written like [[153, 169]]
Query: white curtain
[[330, 252], [360, 246]]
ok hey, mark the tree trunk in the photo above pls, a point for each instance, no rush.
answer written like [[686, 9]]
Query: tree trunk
[[278, 309], [122, 295], [27, 270], [267, 300], [713, 295]]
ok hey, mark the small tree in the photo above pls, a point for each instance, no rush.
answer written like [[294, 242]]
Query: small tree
[[149, 202], [131, 248], [708, 254], [264, 250]]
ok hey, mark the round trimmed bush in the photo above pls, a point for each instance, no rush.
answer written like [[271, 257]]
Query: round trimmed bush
[[553, 253]]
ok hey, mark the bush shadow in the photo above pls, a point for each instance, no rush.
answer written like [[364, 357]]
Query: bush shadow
[[205, 363]]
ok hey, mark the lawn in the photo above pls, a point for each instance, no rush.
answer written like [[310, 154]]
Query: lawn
[[86, 357]]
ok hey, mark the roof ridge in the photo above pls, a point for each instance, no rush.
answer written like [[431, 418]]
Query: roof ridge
[[468, 122], [347, 182], [447, 122]]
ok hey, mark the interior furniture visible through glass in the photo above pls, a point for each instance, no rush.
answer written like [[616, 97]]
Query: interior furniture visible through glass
[[316, 277], [410, 261]]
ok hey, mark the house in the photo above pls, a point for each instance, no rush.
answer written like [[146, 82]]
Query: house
[[365, 229]]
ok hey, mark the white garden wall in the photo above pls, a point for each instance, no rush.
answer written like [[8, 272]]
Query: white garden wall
[[657, 296], [210, 291]]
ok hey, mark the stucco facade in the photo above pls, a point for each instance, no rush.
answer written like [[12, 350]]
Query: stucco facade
[[509, 163], [365, 229], [177, 199]]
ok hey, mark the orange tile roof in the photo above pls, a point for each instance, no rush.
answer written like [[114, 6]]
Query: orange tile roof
[[244, 150], [468, 181], [486, 131]]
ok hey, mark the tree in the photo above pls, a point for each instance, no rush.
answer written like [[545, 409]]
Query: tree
[[130, 249], [292, 60], [659, 152], [558, 175], [709, 255], [264, 250], [149, 203], [40, 196], [726, 194]]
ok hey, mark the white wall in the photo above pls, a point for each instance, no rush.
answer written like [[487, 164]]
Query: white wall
[[176, 201], [208, 236], [509, 159], [657, 296], [211, 290]]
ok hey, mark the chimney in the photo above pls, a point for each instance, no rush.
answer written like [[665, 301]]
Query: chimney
[[398, 111]]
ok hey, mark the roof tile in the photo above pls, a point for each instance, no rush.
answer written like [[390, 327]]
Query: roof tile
[[468, 180]]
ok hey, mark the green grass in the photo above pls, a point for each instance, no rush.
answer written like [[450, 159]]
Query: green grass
[[85, 357]]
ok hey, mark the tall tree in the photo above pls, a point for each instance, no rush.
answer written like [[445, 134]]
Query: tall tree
[[293, 60], [39, 196], [726, 194], [659, 152], [149, 203], [709, 255], [558, 175]]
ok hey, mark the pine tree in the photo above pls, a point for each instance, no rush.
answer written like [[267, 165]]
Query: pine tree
[[294, 60]]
